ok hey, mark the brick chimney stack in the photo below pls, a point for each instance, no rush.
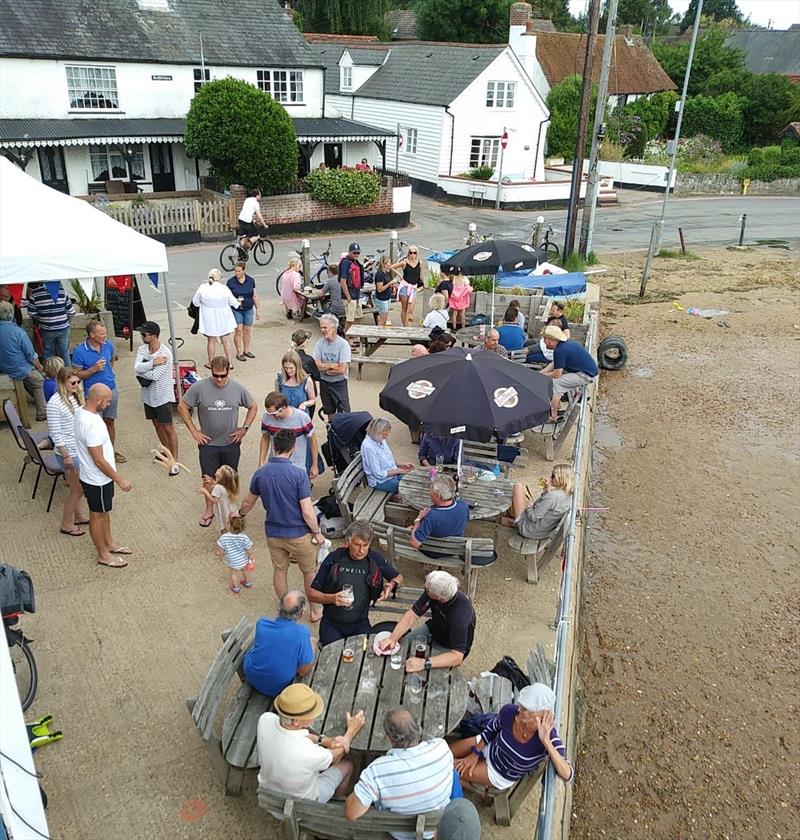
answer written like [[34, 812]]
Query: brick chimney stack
[[520, 14]]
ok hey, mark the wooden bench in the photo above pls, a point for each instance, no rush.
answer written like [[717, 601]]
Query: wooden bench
[[14, 390], [233, 750], [555, 434], [356, 499], [460, 552], [303, 819], [538, 553], [491, 691], [487, 453], [372, 360]]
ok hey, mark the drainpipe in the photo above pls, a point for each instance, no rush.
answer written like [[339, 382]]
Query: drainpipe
[[324, 71], [452, 136], [538, 143]]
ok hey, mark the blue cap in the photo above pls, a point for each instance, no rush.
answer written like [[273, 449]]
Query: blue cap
[[354, 246]]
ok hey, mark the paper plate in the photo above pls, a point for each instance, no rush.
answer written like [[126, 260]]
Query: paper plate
[[486, 475], [379, 637]]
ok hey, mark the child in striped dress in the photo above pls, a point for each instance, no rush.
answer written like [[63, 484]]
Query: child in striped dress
[[236, 548]]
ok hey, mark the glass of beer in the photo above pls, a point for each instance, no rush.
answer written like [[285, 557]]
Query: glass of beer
[[347, 654], [347, 590], [420, 650]]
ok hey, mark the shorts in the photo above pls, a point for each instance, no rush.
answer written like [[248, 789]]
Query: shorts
[[327, 783], [286, 550], [214, 457], [409, 291], [353, 310], [247, 317], [99, 498], [250, 229], [567, 381], [335, 396], [495, 779], [110, 413], [160, 413], [382, 305]]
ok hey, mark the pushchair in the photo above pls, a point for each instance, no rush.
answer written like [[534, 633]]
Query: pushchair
[[346, 433]]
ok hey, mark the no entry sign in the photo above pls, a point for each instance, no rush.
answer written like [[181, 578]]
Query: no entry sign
[[504, 139]]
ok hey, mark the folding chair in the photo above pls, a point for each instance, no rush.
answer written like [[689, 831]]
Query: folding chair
[[14, 423], [46, 461]]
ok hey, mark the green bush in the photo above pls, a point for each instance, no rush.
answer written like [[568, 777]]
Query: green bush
[[652, 121], [564, 102], [345, 187], [771, 172], [481, 173], [770, 163], [719, 117]]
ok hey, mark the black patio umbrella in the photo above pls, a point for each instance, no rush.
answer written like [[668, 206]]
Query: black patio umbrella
[[491, 256], [474, 395]]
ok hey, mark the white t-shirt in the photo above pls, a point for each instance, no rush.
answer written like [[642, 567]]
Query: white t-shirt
[[249, 209], [290, 763], [436, 318], [90, 430]]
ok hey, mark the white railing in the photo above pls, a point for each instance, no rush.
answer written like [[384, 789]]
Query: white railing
[[177, 216]]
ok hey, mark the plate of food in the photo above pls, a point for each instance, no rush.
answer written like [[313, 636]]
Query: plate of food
[[379, 637], [486, 475]]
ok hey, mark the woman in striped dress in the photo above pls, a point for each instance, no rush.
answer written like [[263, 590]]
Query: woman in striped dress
[[61, 426]]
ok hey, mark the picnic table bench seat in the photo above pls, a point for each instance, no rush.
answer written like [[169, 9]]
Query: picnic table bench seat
[[231, 745], [487, 453], [538, 553], [373, 360], [356, 499], [555, 434]]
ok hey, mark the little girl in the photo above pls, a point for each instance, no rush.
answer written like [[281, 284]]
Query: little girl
[[223, 495], [237, 550], [460, 299]]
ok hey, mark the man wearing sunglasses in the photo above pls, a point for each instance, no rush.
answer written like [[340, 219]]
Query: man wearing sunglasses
[[217, 400]]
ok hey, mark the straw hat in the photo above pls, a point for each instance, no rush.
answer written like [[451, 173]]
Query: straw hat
[[537, 698], [554, 332], [299, 702]]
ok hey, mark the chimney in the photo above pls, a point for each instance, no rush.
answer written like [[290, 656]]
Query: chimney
[[522, 38]]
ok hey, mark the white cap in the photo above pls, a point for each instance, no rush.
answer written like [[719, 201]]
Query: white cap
[[537, 698]]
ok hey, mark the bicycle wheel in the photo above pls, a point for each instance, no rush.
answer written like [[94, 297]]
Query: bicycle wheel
[[228, 257], [551, 250], [263, 252], [24, 666]]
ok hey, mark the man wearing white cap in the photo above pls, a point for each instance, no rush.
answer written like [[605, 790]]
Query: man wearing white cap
[[517, 740], [572, 365]]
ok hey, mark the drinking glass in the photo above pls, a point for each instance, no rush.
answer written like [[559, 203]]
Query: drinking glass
[[414, 685], [396, 661], [347, 589], [439, 463], [420, 650], [348, 654]]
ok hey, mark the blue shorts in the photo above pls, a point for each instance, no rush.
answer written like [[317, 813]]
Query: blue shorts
[[247, 317], [382, 305]]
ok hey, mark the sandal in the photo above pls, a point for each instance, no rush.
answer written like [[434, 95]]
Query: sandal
[[235, 590], [250, 355], [75, 532], [123, 549], [241, 357], [247, 584], [120, 564], [205, 521]]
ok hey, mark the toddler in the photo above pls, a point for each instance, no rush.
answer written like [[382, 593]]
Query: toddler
[[237, 550], [223, 494]]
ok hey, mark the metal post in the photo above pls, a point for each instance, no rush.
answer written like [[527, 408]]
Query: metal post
[[393, 247], [583, 119], [171, 324], [499, 174], [472, 236], [654, 236], [743, 220], [683, 242], [593, 179], [671, 169], [305, 258]]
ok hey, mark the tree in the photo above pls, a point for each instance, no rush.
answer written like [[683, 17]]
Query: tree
[[716, 9], [711, 57], [245, 134], [564, 103], [468, 21], [768, 99], [719, 117], [648, 16], [344, 17]]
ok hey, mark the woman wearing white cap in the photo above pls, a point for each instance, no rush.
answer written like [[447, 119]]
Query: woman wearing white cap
[[519, 738]]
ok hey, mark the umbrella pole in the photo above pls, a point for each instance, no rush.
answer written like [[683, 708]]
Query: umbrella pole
[[494, 281], [173, 345], [460, 453]]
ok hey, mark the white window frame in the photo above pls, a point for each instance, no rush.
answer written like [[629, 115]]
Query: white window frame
[[108, 155], [284, 86], [501, 94], [83, 80], [484, 151], [410, 140], [346, 77], [201, 75]]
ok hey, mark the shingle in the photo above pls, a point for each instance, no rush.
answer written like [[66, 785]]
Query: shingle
[[370, 57], [769, 50], [402, 24]]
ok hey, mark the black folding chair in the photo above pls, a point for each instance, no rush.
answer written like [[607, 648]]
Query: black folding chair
[[14, 423], [46, 461]]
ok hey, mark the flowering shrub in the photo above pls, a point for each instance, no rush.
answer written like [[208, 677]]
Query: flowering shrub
[[690, 149]]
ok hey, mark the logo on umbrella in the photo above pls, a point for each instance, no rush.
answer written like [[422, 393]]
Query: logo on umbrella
[[506, 397], [420, 389], [482, 255]]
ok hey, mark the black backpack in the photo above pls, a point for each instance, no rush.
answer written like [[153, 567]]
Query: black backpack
[[509, 669]]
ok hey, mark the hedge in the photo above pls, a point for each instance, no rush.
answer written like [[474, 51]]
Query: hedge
[[344, 187], [719, 117]]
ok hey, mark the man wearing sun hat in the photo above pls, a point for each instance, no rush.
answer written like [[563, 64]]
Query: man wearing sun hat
[[297, 762], [572, 365]]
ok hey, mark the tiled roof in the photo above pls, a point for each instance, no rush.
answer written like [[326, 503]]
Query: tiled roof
[[311, 128], [372, 57], [769, 50], [258, 33], [402, 24], [634, 69]]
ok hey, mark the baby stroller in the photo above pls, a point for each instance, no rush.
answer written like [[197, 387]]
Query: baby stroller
[[346, 433]]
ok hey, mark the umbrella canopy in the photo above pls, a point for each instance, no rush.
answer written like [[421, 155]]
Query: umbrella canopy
[[491, 256], [475, 395]]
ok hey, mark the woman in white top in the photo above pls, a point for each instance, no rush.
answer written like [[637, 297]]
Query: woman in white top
[[215, 300], [438, 316], [61, 426]]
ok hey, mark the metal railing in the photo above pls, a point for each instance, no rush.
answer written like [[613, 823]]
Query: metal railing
[[544, 825]]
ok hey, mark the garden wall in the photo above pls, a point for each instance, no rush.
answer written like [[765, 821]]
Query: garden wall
[[715, 184]]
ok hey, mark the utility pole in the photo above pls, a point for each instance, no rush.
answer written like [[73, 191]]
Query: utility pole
[[583, 119], [658, 230], [593, 180]]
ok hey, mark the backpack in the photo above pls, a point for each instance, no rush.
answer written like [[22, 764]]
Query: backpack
[[374, 575], [477, 320], [354, 274], [509, 669]]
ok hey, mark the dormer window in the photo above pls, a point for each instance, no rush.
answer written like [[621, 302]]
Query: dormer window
[[346, 78], [92, 88]]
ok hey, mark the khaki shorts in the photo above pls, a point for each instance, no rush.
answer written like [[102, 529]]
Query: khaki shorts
[[300, 550], [353, 311]]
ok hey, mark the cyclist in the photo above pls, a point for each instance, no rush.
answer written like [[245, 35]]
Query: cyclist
[[251, 223]]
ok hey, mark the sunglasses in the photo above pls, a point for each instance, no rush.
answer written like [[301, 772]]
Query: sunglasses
[[219, 375], [412, 252], [73, 382], [275, 413]]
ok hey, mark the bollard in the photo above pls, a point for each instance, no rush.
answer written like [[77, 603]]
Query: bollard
[[743, 220], [305, 258], [472, 235], [537, 231], [393, 247], [683, 243]]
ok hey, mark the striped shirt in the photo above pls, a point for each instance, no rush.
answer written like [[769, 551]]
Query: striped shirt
[[409, 781], [61, 424], [235, 547], [298, 422], [162, 391], [51, 315], [508, 756]]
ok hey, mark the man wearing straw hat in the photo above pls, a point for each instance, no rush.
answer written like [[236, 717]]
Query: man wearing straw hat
[[297, 762], [572, 365]]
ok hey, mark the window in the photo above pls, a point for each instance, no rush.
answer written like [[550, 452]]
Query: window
[[201, 76], [500, 94], [346, 78], [108, 163], [92, 88], [282, 85], [483, 151], [410, 141]]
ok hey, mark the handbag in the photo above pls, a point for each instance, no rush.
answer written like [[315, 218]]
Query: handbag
[[145, 383]]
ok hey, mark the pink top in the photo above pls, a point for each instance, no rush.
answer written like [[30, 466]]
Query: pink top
[[460, 297], [291, 283]]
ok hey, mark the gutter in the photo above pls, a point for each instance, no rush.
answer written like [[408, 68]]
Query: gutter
[[538, 143], [452, 136], [324, 81]]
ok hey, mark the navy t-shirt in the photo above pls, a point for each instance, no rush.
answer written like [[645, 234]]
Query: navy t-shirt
[[246, 289], [570, 357], [448, 521], [445, 286], [452, 624], [281, 486], [512, 337], [386, 294]]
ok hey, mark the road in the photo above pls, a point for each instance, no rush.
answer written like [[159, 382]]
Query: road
[[624, 227]]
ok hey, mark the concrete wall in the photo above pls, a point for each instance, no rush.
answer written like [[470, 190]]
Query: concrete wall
[[688, 184]]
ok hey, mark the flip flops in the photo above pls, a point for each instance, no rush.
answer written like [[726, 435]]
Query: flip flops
[[123, 549], [120, 564], [235, 590], [75, 532], [247, 584], [205, 521]]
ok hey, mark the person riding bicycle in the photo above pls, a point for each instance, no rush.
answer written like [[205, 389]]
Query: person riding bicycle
[[251, 224]]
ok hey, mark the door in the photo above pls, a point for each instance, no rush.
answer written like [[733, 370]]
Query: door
[[52, 169], [161, 167], [333, 155]]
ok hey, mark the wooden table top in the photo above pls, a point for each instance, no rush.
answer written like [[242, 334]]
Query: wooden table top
[[471, 335], [411, 334], [318, 292], [370, 683], [486, 499]]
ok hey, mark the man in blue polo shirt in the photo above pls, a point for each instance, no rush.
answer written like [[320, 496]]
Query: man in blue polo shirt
[[93, 361], [290, 522], [572, 366], [512, 336], [446, 517], [282, 648]]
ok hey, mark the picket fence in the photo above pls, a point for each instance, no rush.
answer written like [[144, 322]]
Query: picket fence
[[162, 217]]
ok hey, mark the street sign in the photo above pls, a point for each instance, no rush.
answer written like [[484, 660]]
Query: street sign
[[504, 139]]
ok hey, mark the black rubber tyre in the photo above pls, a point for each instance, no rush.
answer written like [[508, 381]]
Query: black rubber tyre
[[280, 277], [551, 250], [25, 672], [263, 251], [228, 257], [612, 354]]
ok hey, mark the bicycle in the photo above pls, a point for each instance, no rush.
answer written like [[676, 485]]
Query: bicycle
[[321, 259], [22, 660], [550, 248], [263, 252]]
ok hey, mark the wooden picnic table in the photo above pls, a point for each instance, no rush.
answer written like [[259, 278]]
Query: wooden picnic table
[[471, 336], [373, 337], [315, 295], [370, 683], [486, 499]]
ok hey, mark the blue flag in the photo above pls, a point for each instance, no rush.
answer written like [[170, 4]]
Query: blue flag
[[154, 278], [53, 287]]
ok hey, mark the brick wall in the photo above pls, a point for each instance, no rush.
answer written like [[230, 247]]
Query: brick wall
[[519, 14]]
